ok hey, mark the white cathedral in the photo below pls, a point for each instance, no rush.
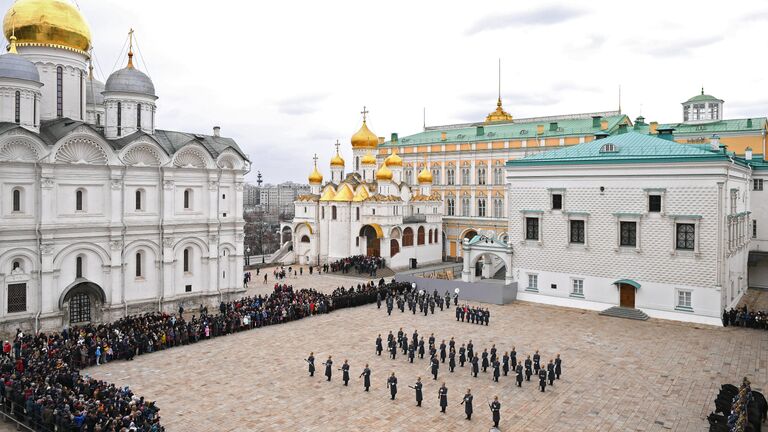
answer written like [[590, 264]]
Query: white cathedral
[[101, 214], [369, 211]]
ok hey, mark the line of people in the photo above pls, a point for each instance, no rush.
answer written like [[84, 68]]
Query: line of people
[[473, 315], [413, 299], [362, 263], [744, 317]]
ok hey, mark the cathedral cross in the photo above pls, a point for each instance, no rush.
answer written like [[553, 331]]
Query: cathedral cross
[[364, 112], [315, 159], [337, 146]]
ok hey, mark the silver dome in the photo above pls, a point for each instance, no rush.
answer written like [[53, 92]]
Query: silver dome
[[130, 80], [97, 87], [17, 67]]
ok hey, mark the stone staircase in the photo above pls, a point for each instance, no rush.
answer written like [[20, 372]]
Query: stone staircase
[[628, 313]]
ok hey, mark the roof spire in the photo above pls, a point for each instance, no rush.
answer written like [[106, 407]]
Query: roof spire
[[619, 98], [130, 48], [338, 144], [702, 89], [314, 159], [364, 112], [499, 103]]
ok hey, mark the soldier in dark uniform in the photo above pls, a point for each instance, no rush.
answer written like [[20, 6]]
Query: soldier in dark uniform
[[458, 313], [467, 402], [432, 307], [411, 352], [400, 335], [345, 372], [462, 355], [542, 379], [442, 394], [528, 368], [493, 353], [366, 377], [392, 384], [421, 347], [495, 409], [461, 312], [496, 374], [328, 371], [536, 362], [392, 350], [475, 365], [505, 363], [558, 366], [513, 357], [379, 347], [405, 345], [431, 339], [451, 344], [487, 316], [485, 360], [452, 360], [519, 372], [551, 372], [471, 313], [378, 300], [455, 299], [418, 387], [435, 367], [390, 338], [470, 350], [432, 351], [415, 337], [442, 351], [311, 361]]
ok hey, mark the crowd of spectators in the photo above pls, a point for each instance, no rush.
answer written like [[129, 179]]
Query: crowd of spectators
[[743, 317], [362, 263]]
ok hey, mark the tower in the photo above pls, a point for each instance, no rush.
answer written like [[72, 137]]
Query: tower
[[337, 166], [315, 179], [363, 142]]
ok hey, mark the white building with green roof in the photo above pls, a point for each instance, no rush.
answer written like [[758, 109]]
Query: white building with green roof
[[632, 220]]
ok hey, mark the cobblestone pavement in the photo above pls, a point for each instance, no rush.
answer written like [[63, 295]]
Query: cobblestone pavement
[[618, 375], [755, 299]]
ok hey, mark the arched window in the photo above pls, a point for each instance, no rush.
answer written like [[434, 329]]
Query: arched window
[[59, 92], [18, 107], [420, 236], [357, 213], [394, 247], [138, 116], [16, 265], [481, 207], [98, 119], [34, 110], [139, 259], [119, 119], [79, 266], [430, 236], [333, 212], [187, 254], [305, 239], [139, 199], [187, 199], [407, 237], [80, 200], [16, 200]]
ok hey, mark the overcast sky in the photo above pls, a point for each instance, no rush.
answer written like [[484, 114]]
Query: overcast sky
[[286, 79]]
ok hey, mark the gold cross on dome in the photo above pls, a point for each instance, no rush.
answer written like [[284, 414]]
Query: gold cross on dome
[[337, 146], [364, 112], [315, 159]]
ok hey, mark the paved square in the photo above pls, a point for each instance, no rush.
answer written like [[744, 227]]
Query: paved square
[[617, 374]]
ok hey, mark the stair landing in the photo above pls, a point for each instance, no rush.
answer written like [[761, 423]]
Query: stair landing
[[628, 313]]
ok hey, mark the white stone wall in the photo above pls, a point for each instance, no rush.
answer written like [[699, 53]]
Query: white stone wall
[[75, 74]]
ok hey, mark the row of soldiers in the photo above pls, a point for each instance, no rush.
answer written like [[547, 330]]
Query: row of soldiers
[[466, 353], [474, 315], [418, 387], [425, 302]]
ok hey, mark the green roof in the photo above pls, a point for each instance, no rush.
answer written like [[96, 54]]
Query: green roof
[[703, 98], [631, 147], [627, 282], [511, 130], [721, 126]]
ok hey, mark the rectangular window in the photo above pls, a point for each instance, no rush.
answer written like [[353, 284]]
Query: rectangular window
[[533, 282], [734, 200], [465, 180], [188, 288], [498, 176], [481, 176], [686, 236], [654, 203], [628, 235], [138, 116], [531, 228], [497, 207], [119, 119], [754, 228], [59, 92], [18, 107], [17, 297], [577, 231], [578, 287], [465, 206], [451, 206], [757, 184], [451, 177], [557, 201], [684, 299], [481, 207]]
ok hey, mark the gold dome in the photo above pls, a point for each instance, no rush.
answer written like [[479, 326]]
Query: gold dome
[[394, 160], [337, 161], [368, 159], [344, 193], [364, 138], [361, 194], [499, 114], [315, 178], [328, 193], [425, 176], [49, 23], [384, 173]]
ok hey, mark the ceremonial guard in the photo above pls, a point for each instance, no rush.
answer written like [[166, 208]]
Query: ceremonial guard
[[452, 360], [378, 300], [345, 372], [496, 374], [435, 367], [542, 379], [392, 384], [421, 347], [505, 363], [519, 372], [328, 371], [379, 346], [462, 355], [366, 377], [536, 362], [495, 411], [528, 368], [442, 394], [415, 337], [451, 344], [493, 353], [485, 360], [470, 350], [400, 335], [558, 366], [392, 350], [458, 313], [442, 351], [411, 352], [467, 402], [418, 387], [551, 372], [487, 316], [311, 361], [513, 357], [431, 339], [475, 365]]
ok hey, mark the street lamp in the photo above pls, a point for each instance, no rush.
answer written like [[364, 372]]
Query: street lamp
[[248, 256]]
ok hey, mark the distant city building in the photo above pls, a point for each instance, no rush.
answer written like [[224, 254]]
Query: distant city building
[[275, 201]]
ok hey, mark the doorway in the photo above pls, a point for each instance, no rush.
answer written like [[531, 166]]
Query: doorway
[[627, 296]]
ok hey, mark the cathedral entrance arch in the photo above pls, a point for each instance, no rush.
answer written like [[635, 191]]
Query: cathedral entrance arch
[[486, 258], [81, 302], [372, 237]]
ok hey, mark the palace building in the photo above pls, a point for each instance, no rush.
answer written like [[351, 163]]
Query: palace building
[[103, 214]]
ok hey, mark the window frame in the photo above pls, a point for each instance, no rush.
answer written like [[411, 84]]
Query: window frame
[[451, 176], [450, 206], [17, 107], [687, 304], [574, 292], [11, 300], [59, 92], [138, 265], [481, 207], [498, 207], [571, 231], [757, 184], [689, 236], [187, 260], [17, 200], [535, 286], [80, 200], [187, 199], [655, 207], [532, 224], [466, 207]]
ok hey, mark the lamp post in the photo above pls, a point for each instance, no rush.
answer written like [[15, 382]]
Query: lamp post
[[248, 256]]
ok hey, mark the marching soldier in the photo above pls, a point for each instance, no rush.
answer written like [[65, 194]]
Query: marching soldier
[[418, 387], [542, 379], [528, 366], [551, 372], [505, 363], [366, 377], [442, 394], [415, 337], [345, 372], [435, 367], [513, 357], [328, 371], [378, 300], [421, 347], [536, 362], [431, 339], [452, 360], [495, 408], [311, 361], [411, 352], [392, 350], [470, 350], [392, 384], [475, 365], [558, 366], [485, 360], [379, 346], [519, 372], [442, 351], [458, 313], [487, 316], [462, 355], [496, 371], [493, 353], [400, 335], [467, 402]]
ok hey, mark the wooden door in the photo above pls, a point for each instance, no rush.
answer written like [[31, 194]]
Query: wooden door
[[627, 296]]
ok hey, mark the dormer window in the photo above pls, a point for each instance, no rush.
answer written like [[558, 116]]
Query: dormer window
[[609, 148]]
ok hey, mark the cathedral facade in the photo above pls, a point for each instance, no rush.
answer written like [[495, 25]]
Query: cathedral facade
[[369, 211], [101, 213]]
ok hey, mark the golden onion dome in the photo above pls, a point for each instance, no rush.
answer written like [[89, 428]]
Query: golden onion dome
[[425, 176], [364, 138], [48, 23], [368, 159], [384, 173], [337, 161], [315, 178], [344, 193], [394, 160]]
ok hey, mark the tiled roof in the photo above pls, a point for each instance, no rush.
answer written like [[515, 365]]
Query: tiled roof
[[722, 126]]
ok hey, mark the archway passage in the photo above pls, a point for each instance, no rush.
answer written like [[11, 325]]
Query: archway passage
[[490, 266], [285, 235], [372, 243], [84, 300]]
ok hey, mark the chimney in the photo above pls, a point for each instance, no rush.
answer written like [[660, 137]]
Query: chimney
[[654, 126], [748, 154], [666, 133], [394, 137], [749, 123], [622, 128], [601, 135], [596, 121], [443, 136], [480, 131], [640, 120], [714, 143], [604, 125], [216, 131], [540, 129], [553, 127]]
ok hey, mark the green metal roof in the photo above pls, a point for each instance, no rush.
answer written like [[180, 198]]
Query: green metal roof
[[722, 126], [703, 98], [631, 147], [513, 130], [627, 282]]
